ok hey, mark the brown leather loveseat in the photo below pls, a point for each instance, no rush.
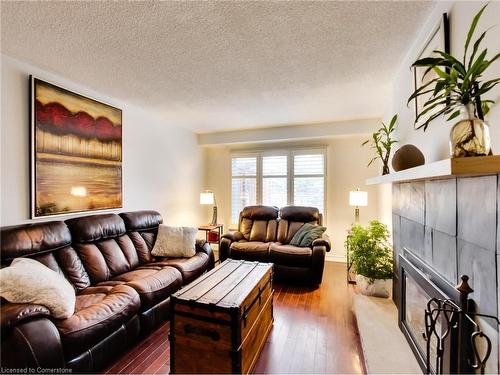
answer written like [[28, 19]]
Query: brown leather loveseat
[[122, 291], [264, 234]]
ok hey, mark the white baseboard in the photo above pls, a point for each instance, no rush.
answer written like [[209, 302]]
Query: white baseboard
[[335, 258]]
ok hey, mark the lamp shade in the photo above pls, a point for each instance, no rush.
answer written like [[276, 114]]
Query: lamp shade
[[358, 198], [207, 198]]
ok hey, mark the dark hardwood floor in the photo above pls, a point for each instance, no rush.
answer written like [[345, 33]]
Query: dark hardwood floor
[[314, 332]]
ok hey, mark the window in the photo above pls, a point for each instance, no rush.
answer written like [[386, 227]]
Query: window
[[243, 184], [275, 180], [309, 180], [278, 178]]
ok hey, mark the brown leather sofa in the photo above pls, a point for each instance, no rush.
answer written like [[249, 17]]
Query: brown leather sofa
[[122, 291], [264, 234]]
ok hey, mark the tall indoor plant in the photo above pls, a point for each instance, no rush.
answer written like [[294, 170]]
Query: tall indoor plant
[[457, 90], [371, 256], [382, 142]]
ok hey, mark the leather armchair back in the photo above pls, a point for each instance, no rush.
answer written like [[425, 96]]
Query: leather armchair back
[[259, 223], [292, 218]]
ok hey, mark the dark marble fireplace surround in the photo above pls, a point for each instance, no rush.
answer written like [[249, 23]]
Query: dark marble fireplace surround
[[452, 225]]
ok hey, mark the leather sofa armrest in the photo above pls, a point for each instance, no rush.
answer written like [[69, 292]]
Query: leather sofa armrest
[[202, 246], [225, 244], [317, 264], [32, 344], [233, 236], [322, 241], [12, 314]]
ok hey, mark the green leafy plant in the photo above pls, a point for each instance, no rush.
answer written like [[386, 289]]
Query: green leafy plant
[[369, 250], [457, 83], [382, 142]]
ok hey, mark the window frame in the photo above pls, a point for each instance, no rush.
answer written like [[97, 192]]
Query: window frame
[[290, 153], [242, 155]]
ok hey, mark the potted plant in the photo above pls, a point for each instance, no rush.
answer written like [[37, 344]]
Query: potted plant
[[371, 256], [382, 142], [457, 90]]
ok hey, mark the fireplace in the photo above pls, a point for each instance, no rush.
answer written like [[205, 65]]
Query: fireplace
[[420, 284], [438, 321], [443, 229]]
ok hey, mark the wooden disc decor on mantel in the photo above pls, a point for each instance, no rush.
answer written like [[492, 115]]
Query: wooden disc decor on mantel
[[407, 156]]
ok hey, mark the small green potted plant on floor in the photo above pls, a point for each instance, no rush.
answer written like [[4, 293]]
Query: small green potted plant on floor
[[371, 256]]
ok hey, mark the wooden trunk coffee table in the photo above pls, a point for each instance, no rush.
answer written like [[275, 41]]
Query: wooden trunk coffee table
[[220, 322]]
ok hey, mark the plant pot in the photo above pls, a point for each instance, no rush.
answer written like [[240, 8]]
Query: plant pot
[[470, 136], [375, 288], [385, 170]]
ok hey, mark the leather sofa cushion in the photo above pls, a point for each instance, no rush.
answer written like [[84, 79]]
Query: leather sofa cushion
[[103, 246], [29, 240], [106, 258], [263, 230], [153, 282], [259, 213], [258, 223], [141, 220], [95, 227], [99, 311], [287, 229], [255, 250], [190, 268], [142, 228], [143, 243], [300, 213], [67, 263], [289, 255]]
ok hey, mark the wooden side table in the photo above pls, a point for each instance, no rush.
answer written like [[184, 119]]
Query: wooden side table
[[217, 228]]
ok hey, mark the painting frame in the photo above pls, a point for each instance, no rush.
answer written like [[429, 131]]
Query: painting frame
[[113, 162], [438, 38]]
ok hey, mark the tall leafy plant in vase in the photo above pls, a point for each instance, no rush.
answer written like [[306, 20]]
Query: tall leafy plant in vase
[[458, 90], [381, 141]]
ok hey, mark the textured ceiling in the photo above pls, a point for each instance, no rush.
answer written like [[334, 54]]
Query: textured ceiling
[[210, 66]]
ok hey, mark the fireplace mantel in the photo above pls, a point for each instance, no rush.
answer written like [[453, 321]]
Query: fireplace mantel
[[447, 215], [447, 168]]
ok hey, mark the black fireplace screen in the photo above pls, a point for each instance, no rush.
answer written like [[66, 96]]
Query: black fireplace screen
[[415, 320], [439, 325]]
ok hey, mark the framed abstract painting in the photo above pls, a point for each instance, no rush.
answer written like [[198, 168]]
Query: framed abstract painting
[[438, 39], [76, 152]]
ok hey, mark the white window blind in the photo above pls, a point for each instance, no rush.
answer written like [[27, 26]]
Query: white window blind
[[243, 184], [275, 180], [278, 179], [309, 180]]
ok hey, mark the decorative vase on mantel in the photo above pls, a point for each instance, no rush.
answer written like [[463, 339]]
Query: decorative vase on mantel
[[470, 136]]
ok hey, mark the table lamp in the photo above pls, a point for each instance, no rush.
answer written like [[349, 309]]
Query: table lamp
[[358, 199], [208, 197]]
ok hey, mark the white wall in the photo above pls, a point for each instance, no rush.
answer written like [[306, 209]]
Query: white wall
[[346, 170], [162, 163], [434, 142]]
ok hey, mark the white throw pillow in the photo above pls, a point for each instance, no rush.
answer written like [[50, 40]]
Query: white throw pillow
[[175, 242], [29, 281]]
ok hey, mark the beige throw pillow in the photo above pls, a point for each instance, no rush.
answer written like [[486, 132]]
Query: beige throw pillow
[[29, 281], [175, 242]]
